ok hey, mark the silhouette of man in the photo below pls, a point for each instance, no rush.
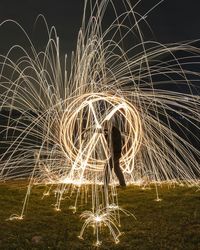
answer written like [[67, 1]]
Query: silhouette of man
[[114, 141]]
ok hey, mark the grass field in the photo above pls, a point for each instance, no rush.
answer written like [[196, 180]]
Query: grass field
[[173, 223]]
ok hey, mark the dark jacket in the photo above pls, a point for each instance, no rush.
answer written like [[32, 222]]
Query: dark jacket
[[116, 140]]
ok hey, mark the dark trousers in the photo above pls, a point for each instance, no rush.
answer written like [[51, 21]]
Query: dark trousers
[[114, 163]]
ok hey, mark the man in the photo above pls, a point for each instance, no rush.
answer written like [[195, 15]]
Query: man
[[114, 141]]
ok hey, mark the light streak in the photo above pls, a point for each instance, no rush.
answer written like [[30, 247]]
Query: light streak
[[62, 143]]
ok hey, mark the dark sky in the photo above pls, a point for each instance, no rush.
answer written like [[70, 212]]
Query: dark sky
[[171, 21]]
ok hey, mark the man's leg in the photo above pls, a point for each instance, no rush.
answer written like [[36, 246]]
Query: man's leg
[[108, 170], [118, 171]]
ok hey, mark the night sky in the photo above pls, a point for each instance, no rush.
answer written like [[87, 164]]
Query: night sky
[[171, 21]]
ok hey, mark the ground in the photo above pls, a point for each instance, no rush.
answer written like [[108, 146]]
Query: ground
[[173, 223]]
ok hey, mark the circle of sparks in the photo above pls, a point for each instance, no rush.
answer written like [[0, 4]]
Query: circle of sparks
[[82, 130]]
